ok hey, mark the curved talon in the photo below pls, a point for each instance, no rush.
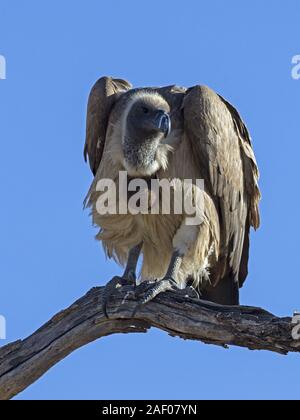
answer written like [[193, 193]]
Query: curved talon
[[191, 292]]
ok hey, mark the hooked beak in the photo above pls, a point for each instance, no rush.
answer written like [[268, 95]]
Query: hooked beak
[[163, 122]]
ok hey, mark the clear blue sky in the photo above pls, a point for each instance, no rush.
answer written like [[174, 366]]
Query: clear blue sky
[[55, 50]]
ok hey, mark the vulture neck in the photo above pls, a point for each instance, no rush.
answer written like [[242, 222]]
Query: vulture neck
[[140, 154]]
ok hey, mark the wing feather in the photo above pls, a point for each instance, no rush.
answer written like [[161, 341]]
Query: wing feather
[[102, 97], [222, 148]]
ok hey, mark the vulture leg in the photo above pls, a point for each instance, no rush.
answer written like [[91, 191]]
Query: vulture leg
[[128, 278], [174, 266], [130, 270]]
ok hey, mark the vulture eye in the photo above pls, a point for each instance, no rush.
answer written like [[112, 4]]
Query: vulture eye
[[145, 109]]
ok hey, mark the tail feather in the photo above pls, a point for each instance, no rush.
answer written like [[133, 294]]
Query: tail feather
[[226, 292]]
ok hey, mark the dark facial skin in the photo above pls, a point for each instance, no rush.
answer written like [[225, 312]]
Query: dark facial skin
[[147, 124], [146, 121]]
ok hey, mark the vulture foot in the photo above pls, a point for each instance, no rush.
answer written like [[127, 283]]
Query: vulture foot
[[157, 287], [147, 291], [115, 284]]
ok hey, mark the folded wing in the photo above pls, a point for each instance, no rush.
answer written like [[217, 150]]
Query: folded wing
[[103, 96], [223, 153]]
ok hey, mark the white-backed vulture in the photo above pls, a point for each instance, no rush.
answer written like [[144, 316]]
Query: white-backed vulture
[[175, 133]]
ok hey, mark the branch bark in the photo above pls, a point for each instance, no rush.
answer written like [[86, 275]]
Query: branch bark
[[24, 361]]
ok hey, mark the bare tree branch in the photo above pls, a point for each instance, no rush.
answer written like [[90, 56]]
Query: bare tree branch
[[24, 361]]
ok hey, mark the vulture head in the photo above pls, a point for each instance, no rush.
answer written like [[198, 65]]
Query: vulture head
[[146, 123]]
